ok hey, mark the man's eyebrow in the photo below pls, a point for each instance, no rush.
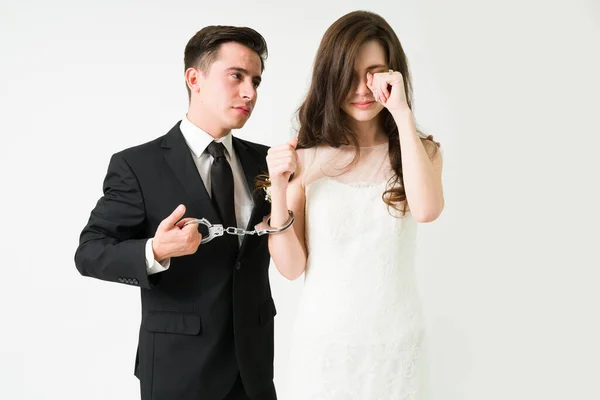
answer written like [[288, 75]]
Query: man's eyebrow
[[245, 72]]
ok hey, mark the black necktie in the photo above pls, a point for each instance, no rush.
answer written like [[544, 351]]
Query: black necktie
[[221, 179]]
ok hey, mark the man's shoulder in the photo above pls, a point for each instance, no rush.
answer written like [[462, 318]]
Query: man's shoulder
[[143, 148], [146, 149], [252, 146]]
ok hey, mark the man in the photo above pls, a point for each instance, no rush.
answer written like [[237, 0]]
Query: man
[[207, 312]]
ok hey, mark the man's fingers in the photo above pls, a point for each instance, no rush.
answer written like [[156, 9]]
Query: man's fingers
[[181, 223], [293, 142], [174, 217]]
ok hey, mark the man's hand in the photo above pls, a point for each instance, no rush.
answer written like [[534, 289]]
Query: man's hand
[[173, 239]]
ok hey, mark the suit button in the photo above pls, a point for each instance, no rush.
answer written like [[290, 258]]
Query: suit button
[[121, 280], [135, 282], [238, 265]]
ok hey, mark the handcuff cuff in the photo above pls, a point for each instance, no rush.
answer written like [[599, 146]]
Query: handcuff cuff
[[262, 228]]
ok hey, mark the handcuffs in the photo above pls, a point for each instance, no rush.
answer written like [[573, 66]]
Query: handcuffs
[[262, 228]]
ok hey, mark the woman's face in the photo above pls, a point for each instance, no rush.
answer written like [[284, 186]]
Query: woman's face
[[360, 104]]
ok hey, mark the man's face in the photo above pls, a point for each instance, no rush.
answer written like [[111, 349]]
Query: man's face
[[227, 90]]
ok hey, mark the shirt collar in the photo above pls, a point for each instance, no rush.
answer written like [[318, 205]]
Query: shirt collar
[[198, 140]]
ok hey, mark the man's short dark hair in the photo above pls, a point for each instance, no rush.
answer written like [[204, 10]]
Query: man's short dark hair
[[202, 49]]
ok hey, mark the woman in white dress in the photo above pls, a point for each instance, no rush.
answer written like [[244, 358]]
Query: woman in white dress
[[363, 178]]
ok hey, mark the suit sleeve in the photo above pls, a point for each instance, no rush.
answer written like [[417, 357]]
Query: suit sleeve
[[112, 244]]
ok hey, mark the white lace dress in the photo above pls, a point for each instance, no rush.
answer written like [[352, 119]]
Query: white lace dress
[[359, 332]]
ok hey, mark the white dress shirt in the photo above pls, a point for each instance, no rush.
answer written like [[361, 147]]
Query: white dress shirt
[[198, 140]]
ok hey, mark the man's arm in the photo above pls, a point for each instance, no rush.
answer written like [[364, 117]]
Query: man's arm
[[111, 246]]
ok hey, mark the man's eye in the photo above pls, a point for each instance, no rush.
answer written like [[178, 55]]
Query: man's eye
[[236, 75]]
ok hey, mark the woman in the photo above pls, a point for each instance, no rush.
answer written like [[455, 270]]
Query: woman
[[363, 177]]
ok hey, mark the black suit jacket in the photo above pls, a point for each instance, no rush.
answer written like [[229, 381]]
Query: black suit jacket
[[211, 313]]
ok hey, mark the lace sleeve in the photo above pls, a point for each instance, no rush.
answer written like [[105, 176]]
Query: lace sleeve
[[306, 158]]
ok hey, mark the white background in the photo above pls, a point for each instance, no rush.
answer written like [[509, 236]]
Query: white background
[[508, 274]]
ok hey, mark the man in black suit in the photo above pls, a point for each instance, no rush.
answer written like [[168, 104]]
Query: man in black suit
[[207, 312]]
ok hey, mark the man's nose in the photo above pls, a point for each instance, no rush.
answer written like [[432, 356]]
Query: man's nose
[[248, 91]]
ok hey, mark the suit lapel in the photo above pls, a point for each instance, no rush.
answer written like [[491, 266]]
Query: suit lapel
[[253, 165], [179, 159]]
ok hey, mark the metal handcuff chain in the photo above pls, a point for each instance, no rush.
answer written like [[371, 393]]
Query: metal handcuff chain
[[263, 228]]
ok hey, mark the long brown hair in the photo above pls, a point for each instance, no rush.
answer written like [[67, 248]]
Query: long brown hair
[[321, 119]]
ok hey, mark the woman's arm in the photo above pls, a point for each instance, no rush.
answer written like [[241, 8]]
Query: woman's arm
[[421, 168], [288, 248]]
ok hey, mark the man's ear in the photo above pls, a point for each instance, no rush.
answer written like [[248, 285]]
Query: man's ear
[[193, 79]]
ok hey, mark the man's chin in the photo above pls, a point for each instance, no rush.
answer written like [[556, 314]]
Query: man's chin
[[238, 124]]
